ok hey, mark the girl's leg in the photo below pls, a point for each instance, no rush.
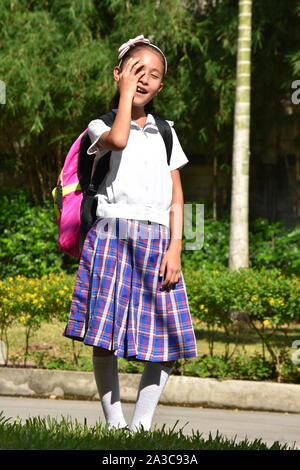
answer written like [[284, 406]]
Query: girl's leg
[[168, 364], [153, 381], [105, 365], [98, 351]]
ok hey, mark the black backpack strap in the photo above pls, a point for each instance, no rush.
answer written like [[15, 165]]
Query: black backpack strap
[[103, 164], [166, 133], [163, 127], [90, 183], [108, 118], [86, 162]]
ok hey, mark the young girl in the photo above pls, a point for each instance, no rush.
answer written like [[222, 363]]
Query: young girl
[[130, 297]]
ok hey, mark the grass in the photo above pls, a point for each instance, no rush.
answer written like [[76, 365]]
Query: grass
[[55, 351], [47, 434], [38, 433]]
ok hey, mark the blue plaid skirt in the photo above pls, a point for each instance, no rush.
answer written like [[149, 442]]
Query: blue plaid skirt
[[118, 303]]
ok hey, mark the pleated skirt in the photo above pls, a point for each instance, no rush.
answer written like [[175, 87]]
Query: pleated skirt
[[118, 302]]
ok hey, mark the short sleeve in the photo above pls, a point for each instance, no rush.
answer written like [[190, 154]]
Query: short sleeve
[[95, 129], [178, 157]]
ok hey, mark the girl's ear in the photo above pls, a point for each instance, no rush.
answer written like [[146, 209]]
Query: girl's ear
[[161, 87], [116, 72]]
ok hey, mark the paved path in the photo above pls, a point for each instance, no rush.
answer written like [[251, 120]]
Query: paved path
[[283, 427]]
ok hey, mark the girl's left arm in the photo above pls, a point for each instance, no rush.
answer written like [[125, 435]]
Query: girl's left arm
[[171, 264], [176, 212]]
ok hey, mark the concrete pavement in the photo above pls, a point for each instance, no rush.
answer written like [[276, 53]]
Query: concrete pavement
[[179, 390]]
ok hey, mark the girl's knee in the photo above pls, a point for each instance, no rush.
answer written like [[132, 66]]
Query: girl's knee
[[168, 364], [98, 351]]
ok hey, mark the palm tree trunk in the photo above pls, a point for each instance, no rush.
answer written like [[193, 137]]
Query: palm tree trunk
[[239, 249]]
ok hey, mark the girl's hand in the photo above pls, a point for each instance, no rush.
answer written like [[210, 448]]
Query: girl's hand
[[129, 77], [171, 267]]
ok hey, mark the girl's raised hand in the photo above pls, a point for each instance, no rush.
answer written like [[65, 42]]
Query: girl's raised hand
[[129, 77]]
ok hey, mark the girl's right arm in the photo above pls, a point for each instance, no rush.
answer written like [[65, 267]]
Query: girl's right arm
[[117, 137]]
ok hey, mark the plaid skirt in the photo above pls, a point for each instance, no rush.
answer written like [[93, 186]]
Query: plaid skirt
[[118, 303]]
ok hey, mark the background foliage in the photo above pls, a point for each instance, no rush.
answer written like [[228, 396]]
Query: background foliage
[[28, 241], [57, 57]]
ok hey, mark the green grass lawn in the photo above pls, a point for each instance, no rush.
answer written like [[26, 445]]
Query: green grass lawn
[[48, 434]]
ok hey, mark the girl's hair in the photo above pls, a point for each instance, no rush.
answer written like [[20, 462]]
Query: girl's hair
[[149, 107]]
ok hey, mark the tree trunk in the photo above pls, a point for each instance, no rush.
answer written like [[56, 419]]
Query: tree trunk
[[239, 249]]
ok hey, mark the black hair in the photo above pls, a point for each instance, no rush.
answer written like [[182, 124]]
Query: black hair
[[149, 107]]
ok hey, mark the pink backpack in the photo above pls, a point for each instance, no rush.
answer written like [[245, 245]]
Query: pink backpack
[[78, 183], [68, 197], [74, 195]]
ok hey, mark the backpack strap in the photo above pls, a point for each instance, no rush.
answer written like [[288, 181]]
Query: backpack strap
[[166, 133], [100, 166], [88, 164], [163, 127], [108, 119]]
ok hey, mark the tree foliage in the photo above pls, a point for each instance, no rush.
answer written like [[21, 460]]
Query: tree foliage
[[57, 57]]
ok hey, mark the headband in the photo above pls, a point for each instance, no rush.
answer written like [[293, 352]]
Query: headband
[[132, 42]]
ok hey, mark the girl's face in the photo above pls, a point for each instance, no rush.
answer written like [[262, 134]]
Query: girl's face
[[151, 81]]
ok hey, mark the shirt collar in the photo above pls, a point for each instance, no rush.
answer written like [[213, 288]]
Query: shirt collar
[[150, 121]]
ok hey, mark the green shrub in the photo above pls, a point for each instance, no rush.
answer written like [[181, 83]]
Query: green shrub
[[264, 302], [28, 238], [28, 242], [270, 246], [33, 301], [240, 367]]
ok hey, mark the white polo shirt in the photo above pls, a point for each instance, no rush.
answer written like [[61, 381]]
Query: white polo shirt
[[138, 184]]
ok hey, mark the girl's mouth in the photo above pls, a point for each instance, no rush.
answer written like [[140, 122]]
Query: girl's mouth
[[140, 92]]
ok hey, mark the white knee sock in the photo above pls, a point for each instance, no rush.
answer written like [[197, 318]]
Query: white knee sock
[[153, 381], [107, 380]]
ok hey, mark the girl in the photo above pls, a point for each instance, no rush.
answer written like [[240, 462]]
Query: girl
[[121, 305]]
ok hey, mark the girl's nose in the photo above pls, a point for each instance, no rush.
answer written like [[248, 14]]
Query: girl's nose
[[143, 79]]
